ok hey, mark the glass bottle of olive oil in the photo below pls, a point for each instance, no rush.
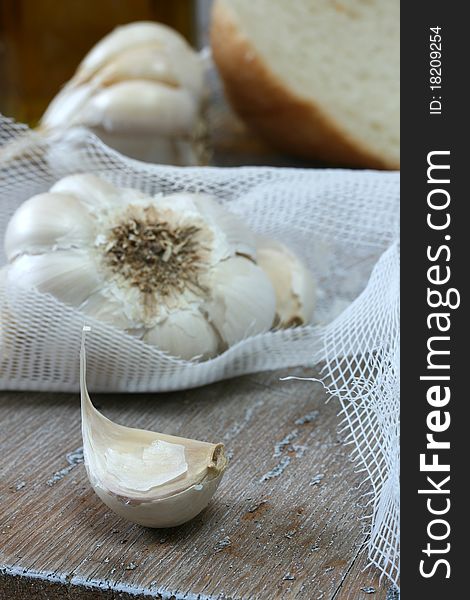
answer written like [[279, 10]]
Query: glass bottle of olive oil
[[43, 41]]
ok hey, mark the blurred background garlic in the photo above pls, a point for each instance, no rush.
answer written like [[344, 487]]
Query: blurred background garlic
[[293, 283], [149, 478], [178, 271], [141, 90]]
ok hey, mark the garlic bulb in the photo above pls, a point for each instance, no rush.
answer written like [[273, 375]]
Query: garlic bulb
[[292, 281], [141, 89], [178, 271], [149, 478]]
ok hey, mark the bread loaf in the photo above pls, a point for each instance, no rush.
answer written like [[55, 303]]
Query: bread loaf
[[316, 78]]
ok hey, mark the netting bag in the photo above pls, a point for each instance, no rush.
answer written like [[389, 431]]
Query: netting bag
[[343, 224]]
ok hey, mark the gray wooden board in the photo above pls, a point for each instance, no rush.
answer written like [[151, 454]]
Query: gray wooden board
[[285, 522]]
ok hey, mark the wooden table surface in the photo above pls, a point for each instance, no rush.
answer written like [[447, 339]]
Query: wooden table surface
[[285, 522]]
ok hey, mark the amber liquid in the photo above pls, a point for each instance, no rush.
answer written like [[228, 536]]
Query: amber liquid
[[43, 41]]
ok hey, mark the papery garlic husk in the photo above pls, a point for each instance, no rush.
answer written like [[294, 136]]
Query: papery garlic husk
[[149, 478], [141, 90], [177, 271], [293, 283]]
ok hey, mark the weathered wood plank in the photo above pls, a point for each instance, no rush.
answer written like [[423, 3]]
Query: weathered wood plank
[[284, 523], [363, 582]]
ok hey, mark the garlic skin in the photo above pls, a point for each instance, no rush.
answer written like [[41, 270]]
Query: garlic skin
[[177, 271], [293, 283], [149, 478], [141, 90]]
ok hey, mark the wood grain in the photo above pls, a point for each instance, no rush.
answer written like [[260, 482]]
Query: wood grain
[[284, 523]]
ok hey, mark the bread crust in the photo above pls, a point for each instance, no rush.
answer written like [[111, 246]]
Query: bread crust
[[285, 120]]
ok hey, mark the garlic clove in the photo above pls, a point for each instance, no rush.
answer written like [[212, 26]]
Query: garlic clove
[[292, 281], [149, 478], [92, 191], [126, 37], [243, 300], [64, 109], [141, 106], [238, 235], [45, 222], [121, 465], [103, 307], [185, 334], [68, 275], [147, 63]]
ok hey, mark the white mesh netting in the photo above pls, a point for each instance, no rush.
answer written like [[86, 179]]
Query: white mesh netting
[[344, 224]]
